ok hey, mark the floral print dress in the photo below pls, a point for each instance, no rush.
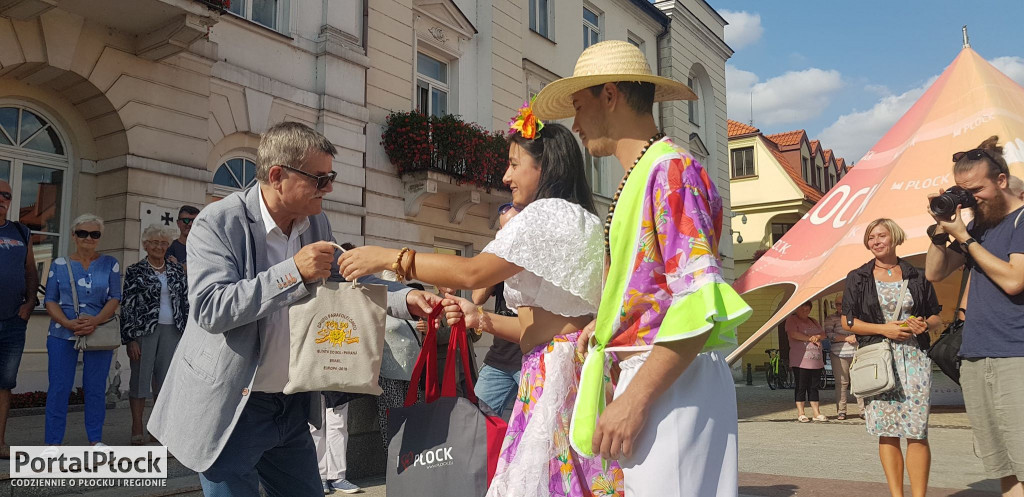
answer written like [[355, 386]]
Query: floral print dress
[[903, 411]]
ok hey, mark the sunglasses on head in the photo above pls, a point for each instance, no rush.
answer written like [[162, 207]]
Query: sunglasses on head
[[321, 180], [186, 220], [6, 195], [95, 235], [978, 154], [503, 208]]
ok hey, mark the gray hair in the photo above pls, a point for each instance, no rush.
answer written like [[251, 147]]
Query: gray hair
[[86, 219], [156, 232], [289, 144]]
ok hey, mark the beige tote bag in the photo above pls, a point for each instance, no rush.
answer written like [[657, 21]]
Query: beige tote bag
[[337, 339]]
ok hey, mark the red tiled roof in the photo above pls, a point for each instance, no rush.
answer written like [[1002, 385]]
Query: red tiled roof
[[828, 155], [841, 163], [815, 145], [737, 128], [810, 193], [788, 138]]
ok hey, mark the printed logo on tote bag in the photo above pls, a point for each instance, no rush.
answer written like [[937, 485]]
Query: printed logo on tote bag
[[337, 330]]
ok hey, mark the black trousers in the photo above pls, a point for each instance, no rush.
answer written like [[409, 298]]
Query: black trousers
[[807, 384]]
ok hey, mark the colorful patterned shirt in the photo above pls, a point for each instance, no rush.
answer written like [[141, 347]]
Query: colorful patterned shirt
[[665, 281]]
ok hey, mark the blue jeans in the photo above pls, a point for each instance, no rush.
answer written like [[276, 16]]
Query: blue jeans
[[496, 388], [270, 445], [12, 346], [62, 362]]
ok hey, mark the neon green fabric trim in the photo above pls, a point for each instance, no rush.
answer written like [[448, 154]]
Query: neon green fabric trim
[[590, 399], [715, 307]]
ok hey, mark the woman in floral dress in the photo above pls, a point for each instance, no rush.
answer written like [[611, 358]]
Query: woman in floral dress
[[551, 257], [874, 311]]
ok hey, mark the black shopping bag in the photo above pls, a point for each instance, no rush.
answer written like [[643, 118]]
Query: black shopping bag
[[440, 447]]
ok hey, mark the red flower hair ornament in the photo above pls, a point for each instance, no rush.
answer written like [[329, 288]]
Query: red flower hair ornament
[[526, 122]]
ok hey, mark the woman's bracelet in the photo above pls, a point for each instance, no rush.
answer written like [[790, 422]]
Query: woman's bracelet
[[397, 266]]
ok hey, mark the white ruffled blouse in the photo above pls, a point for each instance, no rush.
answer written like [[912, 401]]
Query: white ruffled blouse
[[560, 246]]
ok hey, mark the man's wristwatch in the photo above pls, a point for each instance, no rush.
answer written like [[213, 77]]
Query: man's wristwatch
[[967, 243]]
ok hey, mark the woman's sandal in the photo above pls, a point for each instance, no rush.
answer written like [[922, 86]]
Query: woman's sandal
[[138, 440], [821, 418], [803, 419]]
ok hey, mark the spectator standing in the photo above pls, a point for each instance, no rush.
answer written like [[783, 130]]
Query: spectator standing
[[17, 299], [992, 247], [402, 343], [97, 281], [872, 309], [331, 442], [153, 318], [806, 360], [843, 346], [176, 252]]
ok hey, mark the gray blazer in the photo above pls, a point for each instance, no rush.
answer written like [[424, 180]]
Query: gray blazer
[[232, 290]]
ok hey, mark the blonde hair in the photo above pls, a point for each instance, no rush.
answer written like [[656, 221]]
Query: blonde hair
[[897, 233], [156, 232]]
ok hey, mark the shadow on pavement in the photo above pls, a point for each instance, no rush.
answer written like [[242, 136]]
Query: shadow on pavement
[[769, 491]]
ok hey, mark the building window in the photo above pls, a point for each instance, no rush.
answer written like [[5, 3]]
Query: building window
[[591, 27], [604, 174], [265, 12], [779, 229], [831, 179], [742, 162], [816, 177], [693, 106], [237, 174], [540, 15], [635, 41], [805, 169], [431, 85], [34, 161]]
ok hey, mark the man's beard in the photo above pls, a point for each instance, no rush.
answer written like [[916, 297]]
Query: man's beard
[[991, 213]]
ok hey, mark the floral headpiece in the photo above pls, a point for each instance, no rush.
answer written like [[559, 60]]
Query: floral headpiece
[[526, 122]]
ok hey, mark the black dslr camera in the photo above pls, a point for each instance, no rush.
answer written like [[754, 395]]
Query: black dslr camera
[[944, 205]]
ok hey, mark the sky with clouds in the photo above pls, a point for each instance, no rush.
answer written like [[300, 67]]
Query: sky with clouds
[[847, 71]]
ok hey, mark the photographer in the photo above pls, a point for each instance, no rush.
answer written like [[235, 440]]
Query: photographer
[[992, 247]]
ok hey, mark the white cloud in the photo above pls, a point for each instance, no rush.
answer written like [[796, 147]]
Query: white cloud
[[744, 28], [853, 134], [792, 97], [1011, 66]]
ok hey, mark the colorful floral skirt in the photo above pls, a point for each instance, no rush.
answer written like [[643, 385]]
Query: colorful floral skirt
[[903, 411], [536, 459]]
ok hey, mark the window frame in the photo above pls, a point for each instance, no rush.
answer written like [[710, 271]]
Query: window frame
[[280, 16], [594, 168], [19, 157], [592, 27], [805, 168], [433, 84], [732, 163], [535, 15], [693, 106], [785, 227]]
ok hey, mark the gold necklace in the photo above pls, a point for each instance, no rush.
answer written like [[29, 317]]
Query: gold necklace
[[615, 199]]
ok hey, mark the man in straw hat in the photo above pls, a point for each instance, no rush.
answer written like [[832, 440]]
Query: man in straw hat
[[666, 310]]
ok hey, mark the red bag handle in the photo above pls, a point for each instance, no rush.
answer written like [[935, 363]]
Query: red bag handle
[[427, 358], [456, 344]]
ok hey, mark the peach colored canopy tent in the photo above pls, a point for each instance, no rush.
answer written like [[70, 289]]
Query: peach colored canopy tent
[[969, 102]]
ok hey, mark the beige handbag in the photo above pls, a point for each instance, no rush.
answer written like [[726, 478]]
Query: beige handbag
[[106, 336], [872, 371], [337, 339]]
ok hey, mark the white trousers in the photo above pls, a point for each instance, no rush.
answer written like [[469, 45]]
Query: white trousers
[[688, 446], [331, 443]]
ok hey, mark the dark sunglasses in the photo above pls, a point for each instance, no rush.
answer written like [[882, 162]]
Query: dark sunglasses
[[95, 235], [186, 220], [321, 181], [6, 195], [503, 208], [978, 154]]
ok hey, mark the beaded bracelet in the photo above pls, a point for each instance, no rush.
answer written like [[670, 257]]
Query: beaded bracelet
[[397, 266]]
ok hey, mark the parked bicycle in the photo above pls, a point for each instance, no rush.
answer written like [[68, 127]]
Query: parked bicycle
[[777, 372]]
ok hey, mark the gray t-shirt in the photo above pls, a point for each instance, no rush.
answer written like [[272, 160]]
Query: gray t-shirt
[[994, 326]]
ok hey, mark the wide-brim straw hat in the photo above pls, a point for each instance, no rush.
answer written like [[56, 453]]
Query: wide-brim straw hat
[[605, 62]]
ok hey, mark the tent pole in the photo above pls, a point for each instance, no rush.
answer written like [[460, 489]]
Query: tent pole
[[967, 43]]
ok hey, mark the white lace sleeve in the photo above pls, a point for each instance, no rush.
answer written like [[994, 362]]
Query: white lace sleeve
[[562, 244]]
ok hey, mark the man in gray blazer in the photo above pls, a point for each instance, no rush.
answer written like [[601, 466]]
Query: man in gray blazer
[[221, 410]]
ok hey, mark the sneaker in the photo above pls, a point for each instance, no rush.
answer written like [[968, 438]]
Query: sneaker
[[346, 487], [327, 487]]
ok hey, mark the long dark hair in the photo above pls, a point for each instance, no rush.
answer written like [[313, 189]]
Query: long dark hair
[[562, 174]]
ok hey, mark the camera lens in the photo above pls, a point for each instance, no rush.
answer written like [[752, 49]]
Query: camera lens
[[943, 205]]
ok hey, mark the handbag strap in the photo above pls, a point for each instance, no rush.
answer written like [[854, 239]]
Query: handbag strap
[[964, 276], [457, 344], [427, 359], [71, 282]]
